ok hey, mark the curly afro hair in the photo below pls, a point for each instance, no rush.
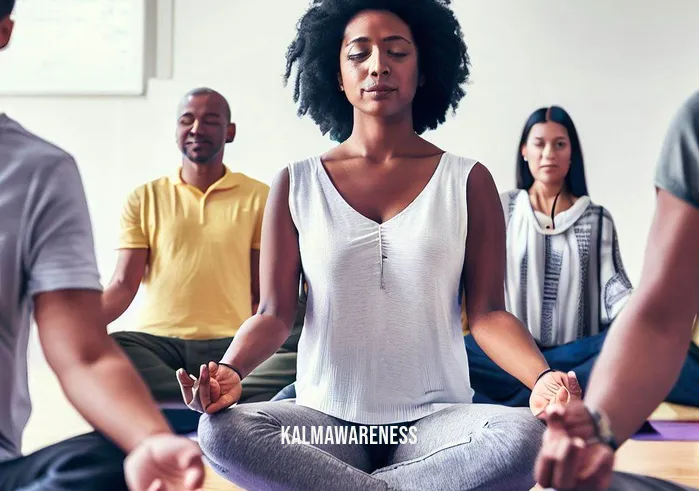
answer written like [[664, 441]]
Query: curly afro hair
[[442, 59]]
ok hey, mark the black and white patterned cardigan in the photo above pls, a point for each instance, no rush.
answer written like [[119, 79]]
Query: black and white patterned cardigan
[[567, 283]]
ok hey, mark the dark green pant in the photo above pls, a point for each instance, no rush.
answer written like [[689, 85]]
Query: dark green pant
[[158, 357], [83, 463]]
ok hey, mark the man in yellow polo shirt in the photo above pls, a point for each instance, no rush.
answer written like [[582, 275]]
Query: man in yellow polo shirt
[[193, 240]]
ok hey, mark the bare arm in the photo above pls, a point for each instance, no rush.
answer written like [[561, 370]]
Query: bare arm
[[280, 265], [95, 375], [501, 335], [647, 345], [255, 279], [63, 282], [131, 266]]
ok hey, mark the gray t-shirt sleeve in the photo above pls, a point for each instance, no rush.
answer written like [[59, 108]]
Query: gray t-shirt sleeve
[[60, 253], [678, 169]]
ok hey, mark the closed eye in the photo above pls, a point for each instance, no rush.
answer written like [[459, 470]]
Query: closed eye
[[356, 56], [359, 56]]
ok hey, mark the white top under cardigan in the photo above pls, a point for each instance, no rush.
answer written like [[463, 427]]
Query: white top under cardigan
[[552, 283], [382, 339]]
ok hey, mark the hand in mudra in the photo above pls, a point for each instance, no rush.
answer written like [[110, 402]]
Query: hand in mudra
[[217, 388], [554, 388], [164, 463]]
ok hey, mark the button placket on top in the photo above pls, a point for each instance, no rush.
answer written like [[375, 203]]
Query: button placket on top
[[382, 258], [202, 205], [202, 201]]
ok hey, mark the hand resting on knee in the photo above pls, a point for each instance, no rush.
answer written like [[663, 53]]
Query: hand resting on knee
[[217, 388]]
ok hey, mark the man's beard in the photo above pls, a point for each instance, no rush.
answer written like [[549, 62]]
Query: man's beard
[[201, 158]]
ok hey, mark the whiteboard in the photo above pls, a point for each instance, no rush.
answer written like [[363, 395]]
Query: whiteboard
[[75, 47]]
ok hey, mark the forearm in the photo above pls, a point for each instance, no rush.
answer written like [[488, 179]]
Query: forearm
[[509, 344], [257, 339], [640, 362], [112, 397], [115, 300]]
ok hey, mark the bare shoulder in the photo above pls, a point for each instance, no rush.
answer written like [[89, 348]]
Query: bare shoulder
[[480, 181], [281, 179], [426, 149], [339, 153], [484, 201]]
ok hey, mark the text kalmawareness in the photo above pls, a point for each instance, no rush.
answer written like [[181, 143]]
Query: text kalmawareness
[[349, 435]]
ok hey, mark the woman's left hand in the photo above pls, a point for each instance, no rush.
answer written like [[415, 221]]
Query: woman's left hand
[[552, 388]]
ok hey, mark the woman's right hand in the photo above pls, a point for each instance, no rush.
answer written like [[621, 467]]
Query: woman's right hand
[[554, 388], [217, 388]]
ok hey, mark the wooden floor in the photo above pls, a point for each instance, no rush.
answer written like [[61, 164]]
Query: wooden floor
[[215, 483], [674, 461]]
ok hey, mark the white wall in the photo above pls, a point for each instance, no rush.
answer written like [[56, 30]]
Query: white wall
[[621, 68]]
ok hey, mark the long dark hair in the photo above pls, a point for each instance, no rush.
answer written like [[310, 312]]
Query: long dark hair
[[575, 179]]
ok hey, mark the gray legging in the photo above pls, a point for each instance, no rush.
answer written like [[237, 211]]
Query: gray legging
[[463, 447]]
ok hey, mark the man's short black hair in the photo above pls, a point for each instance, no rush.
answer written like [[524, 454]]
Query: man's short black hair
[[6, 8], [442, 59]]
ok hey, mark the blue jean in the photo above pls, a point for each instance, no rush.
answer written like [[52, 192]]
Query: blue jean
[[492, 385]]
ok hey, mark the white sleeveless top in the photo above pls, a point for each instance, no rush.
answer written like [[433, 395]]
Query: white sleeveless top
[[382, 339]]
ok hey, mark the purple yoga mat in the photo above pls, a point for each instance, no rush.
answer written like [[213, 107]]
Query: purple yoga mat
[[678, 431]]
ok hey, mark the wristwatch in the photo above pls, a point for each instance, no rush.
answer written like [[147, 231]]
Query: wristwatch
[[603, 428]]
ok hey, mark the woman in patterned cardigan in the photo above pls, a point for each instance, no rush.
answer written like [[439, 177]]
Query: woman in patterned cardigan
[[565, 277]]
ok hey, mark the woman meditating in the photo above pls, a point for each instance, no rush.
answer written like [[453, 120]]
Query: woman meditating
[[387, 230], [565, 277]]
